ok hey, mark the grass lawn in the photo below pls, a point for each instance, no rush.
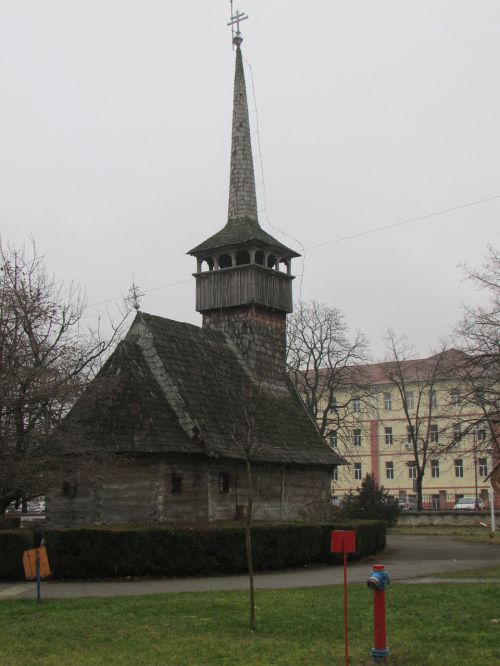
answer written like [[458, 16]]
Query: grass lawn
[[488, 572], [428, 625], [476, 534]]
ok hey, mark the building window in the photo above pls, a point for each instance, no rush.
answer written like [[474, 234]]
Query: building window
[[356, 405], [410, 401], [356, 437], [357, 471], [459, 468], [224, 482], [410, 434], [334, 439], [483, 466], [412, 470], [455, 396], [176, 484], [387, 402], [481, 435], [335, 475], [457, 432], [433, 398], [479, 394], [389, 470], [69, 489], [333, 405], [435, 469], [434, 433], [388, 436]]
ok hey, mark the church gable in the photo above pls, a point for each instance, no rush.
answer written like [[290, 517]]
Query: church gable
[[125, 411]]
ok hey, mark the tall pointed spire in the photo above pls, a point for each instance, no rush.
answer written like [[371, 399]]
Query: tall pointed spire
[[242, 196], [242, 226]]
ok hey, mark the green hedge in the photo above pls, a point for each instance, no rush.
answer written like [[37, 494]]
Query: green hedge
[[12, 545], [110, 553]]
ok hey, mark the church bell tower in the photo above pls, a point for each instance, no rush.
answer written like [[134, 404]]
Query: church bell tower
[[243, 275]]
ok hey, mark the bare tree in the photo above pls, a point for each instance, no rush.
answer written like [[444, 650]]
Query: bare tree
[[256, 403], [46, 360], [250, 429], [324, 364], [430, 426], [479, 334]]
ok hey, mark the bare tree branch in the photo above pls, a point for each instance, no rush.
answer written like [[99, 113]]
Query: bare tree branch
[[46, 361]]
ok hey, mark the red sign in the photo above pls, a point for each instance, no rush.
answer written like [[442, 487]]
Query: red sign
[[343, 541]]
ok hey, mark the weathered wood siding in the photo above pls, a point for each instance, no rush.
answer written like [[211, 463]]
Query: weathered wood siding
[[141, 492], [137, 492], [243, 285], [280, 492], [307, 493]]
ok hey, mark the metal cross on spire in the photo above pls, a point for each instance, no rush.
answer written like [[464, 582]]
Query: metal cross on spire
[[134, 296], [235, 21]]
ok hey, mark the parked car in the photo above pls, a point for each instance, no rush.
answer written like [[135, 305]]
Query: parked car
[[33, 506], [407, 503], [469, 504]]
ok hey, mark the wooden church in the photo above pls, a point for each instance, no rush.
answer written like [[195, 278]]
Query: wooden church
[[178, 412]]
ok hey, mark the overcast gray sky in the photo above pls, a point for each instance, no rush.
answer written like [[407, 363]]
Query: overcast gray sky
[[115, 138]]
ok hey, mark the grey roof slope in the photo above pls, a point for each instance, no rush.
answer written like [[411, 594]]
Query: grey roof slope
[[124, 409], [200, 363], [240, 232]]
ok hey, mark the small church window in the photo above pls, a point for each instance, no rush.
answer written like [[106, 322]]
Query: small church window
[[207, 264], [224, 482], [69, 489], [176, 484], [242, 258], [271, 261], [283, 266], [225, 261], [259, 258]]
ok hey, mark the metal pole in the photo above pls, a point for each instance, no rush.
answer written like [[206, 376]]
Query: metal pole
[[38, 586], [346, 625], [476, 503], [492, 512]]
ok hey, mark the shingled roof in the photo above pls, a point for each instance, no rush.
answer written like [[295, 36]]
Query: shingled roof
[[241, 232], [168, 392]]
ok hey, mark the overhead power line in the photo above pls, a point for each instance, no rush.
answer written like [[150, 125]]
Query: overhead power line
[[419, 218], [375, 230]]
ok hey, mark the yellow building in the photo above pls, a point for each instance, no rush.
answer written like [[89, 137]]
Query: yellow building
[[411, 423]]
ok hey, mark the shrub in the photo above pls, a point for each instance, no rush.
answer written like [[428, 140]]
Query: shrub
[[12, 545], [110, 553], [371, 502]]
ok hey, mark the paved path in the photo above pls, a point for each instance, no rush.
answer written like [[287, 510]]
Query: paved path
[[406, 557]]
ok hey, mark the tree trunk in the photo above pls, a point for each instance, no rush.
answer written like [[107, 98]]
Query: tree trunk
[[251, 590], [419, 484]]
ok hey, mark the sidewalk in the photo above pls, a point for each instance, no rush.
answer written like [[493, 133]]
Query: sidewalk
[[406, 558]]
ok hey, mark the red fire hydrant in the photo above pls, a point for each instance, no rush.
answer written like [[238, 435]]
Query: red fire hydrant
[[377, 581]]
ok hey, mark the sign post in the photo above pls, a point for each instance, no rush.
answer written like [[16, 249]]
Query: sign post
[[36, 567], [344, 541]]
